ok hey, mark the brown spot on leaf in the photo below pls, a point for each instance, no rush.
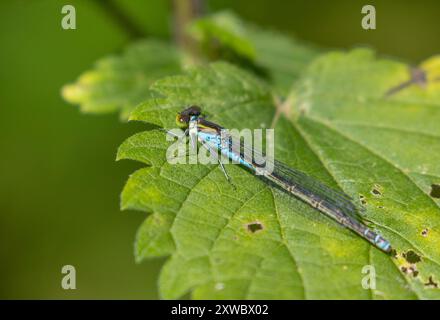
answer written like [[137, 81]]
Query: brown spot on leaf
[[376, 190], [425, 232], [362, 199], [431, 283], [435, 191], [411, 257], [417, 77], [411, 270], [254, 227]]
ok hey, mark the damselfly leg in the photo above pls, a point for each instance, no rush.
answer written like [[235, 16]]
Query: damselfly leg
[[214, 153]]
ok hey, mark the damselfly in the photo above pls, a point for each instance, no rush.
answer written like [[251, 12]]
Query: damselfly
[[337, 205]]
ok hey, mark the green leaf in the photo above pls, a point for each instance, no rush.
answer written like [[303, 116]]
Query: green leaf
[[119, 83], [154, 238], [340, 125], [270, 54]]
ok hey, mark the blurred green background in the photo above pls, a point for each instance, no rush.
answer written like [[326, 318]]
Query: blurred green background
[[60, 185]]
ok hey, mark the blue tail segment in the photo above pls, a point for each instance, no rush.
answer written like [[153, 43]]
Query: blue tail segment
[[383, 244]]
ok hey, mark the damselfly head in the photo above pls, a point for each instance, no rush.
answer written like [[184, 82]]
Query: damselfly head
[[183, 118]]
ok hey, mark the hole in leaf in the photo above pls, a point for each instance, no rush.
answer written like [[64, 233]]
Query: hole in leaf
[[413, 271], [411, 257], [431, 283], [362, 199], [376, 190], [425, 232], [435, 191], [254, 227], [410, 271]]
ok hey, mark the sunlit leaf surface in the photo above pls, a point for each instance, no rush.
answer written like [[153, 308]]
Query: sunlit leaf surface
[[344, 123]]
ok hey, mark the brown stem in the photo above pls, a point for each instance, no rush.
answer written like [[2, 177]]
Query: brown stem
[[185, 11]]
